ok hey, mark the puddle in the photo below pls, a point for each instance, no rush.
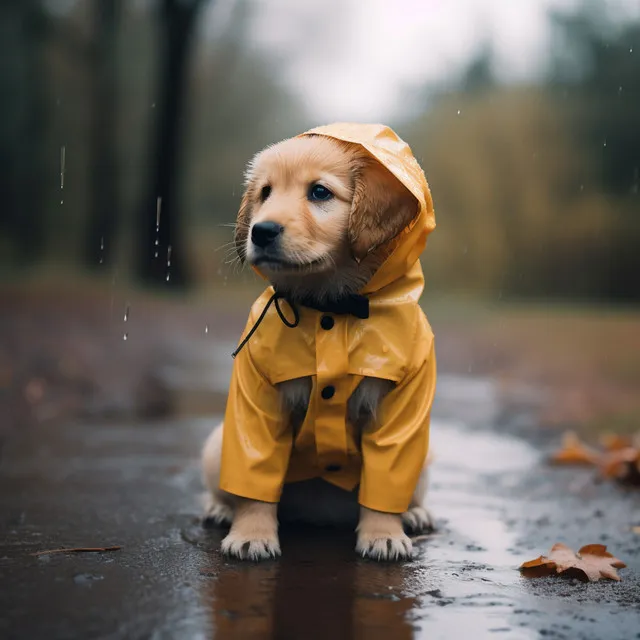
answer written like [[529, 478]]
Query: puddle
[[138, 486]]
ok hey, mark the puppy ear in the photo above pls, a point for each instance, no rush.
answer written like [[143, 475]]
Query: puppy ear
[[382, 207]]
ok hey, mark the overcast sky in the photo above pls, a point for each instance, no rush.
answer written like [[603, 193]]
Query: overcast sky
[[351, 59]]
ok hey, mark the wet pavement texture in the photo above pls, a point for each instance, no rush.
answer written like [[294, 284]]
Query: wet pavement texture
[[495, 500]]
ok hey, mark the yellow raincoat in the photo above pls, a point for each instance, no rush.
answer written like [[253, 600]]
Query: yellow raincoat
[[260, 452]]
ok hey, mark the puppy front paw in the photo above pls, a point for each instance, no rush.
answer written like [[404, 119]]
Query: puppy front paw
[[417, 520], [254, 546], [381, 536], [384, 546]]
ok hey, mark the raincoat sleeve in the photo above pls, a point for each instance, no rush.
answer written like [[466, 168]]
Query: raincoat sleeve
[[256, 440], [395, 453]]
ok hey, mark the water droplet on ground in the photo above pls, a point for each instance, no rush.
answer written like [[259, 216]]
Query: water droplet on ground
[[86, 578]]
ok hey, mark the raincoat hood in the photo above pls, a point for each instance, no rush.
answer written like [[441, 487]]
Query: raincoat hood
[[395, 155], [336, 350]]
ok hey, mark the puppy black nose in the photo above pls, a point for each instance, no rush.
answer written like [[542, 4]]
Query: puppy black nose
[[264, 233]]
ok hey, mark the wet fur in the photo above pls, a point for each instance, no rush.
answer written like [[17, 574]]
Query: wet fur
[[336, 247]]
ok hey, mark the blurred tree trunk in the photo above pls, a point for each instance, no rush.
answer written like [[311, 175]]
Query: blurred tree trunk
[[22, 132], [104, 213], [161, 248]]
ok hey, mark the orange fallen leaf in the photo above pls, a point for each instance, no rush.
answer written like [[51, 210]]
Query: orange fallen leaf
[[621, 464], [614, 442], [573, 451], [591, 562]]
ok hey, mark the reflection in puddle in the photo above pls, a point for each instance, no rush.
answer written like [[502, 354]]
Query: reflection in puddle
[[462, 582]]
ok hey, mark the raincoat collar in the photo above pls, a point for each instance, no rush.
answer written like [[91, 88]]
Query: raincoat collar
[[353, 304]]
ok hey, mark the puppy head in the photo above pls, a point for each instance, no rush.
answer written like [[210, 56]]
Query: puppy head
[[314, 205]]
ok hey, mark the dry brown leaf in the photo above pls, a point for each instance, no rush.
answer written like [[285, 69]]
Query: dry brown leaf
[[574, 451], [614, 442], [591, 562], [620, 463]]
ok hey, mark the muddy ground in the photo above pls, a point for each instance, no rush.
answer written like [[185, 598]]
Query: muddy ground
[[109, 466]]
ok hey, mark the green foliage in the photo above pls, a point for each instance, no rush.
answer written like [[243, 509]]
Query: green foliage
[[536, 188]]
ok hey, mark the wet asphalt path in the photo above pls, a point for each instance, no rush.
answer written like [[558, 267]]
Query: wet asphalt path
[[495, 501]]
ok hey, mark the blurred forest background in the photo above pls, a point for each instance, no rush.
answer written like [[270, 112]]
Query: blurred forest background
[[125, 127]]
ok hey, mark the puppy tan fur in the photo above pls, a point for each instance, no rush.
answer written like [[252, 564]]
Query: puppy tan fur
[[330, 248]]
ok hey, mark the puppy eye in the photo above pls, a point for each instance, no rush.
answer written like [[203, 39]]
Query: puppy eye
[[319, 193], [265, 192]]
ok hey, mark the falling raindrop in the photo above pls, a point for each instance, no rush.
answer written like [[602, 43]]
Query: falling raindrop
[[168, 262], [126, 313], [458, 111], [125, 336], [158, 208], [619, 91], [101, 249], [631, 50], [604, 144], [581, 187], [63, 155], [206, 328], [153, 105]]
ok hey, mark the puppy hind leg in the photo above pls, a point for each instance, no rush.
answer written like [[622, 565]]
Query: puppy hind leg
[[416, 518], [218, 505]]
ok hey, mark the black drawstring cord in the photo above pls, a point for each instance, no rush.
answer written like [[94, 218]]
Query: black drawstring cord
[[274, 298]]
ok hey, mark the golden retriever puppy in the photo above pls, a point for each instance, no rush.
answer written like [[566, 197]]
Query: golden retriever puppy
[[330, 399]]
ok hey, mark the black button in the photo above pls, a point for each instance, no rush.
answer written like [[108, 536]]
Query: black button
[[327, 322], [328, 392], [333, 467]]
